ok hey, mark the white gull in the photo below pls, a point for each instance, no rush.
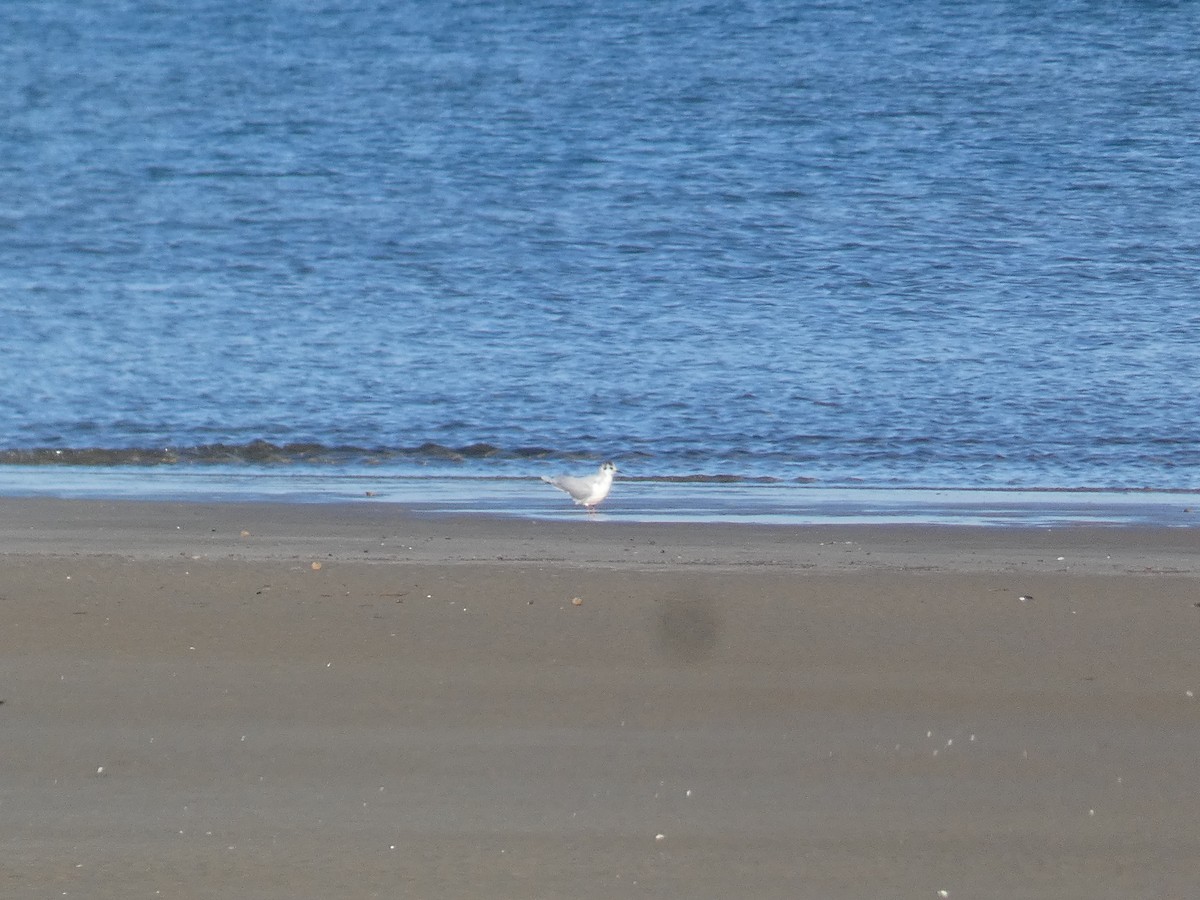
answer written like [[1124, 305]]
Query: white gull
[[585, 490]]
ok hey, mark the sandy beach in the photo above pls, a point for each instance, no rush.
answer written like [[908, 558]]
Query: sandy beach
[[246, 700]]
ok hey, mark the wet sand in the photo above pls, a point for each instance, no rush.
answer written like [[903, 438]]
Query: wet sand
[[192, 709]]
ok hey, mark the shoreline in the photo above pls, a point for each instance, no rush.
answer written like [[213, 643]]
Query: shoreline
[[392, 533], [635, 500], [192, 707]]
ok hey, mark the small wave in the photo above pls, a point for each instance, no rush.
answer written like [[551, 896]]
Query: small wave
[[262, 452], [721, 478], [268, 454]]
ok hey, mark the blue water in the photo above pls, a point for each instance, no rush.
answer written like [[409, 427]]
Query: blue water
[[832, 244]]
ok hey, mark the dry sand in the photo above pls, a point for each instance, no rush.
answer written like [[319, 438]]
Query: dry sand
[[192, 709]]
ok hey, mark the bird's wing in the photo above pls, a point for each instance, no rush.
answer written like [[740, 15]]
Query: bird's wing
[[573, 485]]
